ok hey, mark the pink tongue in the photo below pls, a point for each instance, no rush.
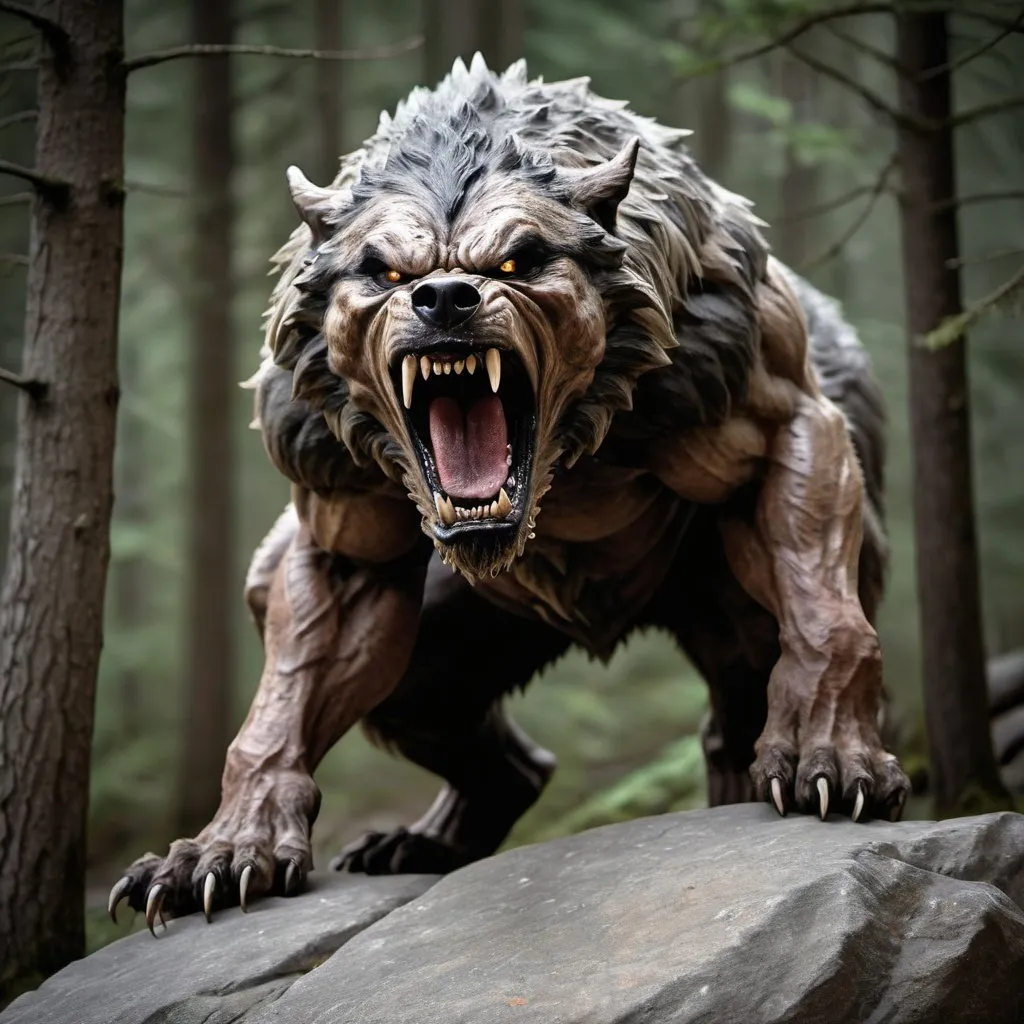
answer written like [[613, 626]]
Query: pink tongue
[[470, 453]]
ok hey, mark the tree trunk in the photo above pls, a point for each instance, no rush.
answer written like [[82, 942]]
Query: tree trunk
[[451, 29], [213, 587], [51, 600], [458, 28], [500, 32], [799, 186], [128, 573], [963, 767], [327, 17], [712, 135]]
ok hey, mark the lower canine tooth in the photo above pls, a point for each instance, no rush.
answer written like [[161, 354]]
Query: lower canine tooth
[[408, 379], [493, 358]]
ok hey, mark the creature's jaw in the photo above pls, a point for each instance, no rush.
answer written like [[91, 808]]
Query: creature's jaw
[[471, 419]]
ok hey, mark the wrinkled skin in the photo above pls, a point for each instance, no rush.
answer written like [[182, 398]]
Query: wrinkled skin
[[693, 444]]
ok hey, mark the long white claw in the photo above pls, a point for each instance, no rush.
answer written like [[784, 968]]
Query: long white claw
[[243, 887], [858, 804], [117, 894], [777, 797], [209, 888], [154, 908], [409, 368], [493, 358], [823, 797]]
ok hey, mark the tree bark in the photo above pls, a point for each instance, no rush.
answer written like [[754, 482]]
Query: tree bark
[[963, 767], [212, 585], [327, 18], [51, 600]]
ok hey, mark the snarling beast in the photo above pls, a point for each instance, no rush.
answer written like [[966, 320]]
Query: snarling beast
[[537, 381]]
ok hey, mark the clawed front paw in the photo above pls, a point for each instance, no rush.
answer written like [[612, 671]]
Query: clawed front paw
[[846, 773], [258, 844]]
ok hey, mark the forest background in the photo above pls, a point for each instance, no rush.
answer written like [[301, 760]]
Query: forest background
[[207, 143]]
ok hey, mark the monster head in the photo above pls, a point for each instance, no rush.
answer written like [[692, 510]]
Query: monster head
[[461, 297]]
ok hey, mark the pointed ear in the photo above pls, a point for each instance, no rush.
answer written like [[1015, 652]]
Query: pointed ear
[[599, 190], [315, 205]]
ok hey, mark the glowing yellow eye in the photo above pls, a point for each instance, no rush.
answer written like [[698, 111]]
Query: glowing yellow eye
[[508, 267], [393, 276]]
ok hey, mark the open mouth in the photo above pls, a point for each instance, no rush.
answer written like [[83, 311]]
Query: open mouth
[[471, 416]]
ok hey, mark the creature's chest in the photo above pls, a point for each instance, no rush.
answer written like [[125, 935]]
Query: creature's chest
[[605, 539]]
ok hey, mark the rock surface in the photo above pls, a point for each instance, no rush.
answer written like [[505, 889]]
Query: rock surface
[[729, 915], [195, 973]]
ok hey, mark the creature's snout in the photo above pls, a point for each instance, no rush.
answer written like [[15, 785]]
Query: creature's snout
[[445, 302]]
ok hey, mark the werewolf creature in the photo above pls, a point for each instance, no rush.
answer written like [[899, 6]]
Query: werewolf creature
[[522, 329]]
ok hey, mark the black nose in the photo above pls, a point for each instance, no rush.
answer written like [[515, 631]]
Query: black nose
[[445, 302]]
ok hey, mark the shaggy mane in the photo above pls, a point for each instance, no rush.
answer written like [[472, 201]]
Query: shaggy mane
[[678, 277]]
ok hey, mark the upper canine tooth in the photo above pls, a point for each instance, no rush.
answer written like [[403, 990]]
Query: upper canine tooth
[[504, 506], [494, 368], [459, 364], [471, 364], [437, 367], [445, 509], [408, 379], [425, 367]]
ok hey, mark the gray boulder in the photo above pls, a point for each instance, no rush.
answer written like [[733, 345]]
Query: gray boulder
[[195, 973], [729, 915]]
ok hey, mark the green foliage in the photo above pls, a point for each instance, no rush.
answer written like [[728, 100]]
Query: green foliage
[[674, 781]]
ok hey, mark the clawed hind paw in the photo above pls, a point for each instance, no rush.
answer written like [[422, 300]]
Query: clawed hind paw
[[400, 852]]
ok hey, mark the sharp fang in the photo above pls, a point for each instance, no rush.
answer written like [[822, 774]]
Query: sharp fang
[[447, 367], [408, 379], [445, 509], [471, 364], [459, 365], [494, 368], [425, 367], [437, 368], [502, 506]]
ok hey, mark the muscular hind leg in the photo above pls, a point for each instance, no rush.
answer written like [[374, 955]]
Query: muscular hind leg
[[447, 716]]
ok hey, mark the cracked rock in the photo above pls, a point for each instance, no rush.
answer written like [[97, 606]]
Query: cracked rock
[[724, 916]]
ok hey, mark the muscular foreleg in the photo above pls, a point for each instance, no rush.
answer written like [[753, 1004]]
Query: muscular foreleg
[[338, 637], [799, 558]]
